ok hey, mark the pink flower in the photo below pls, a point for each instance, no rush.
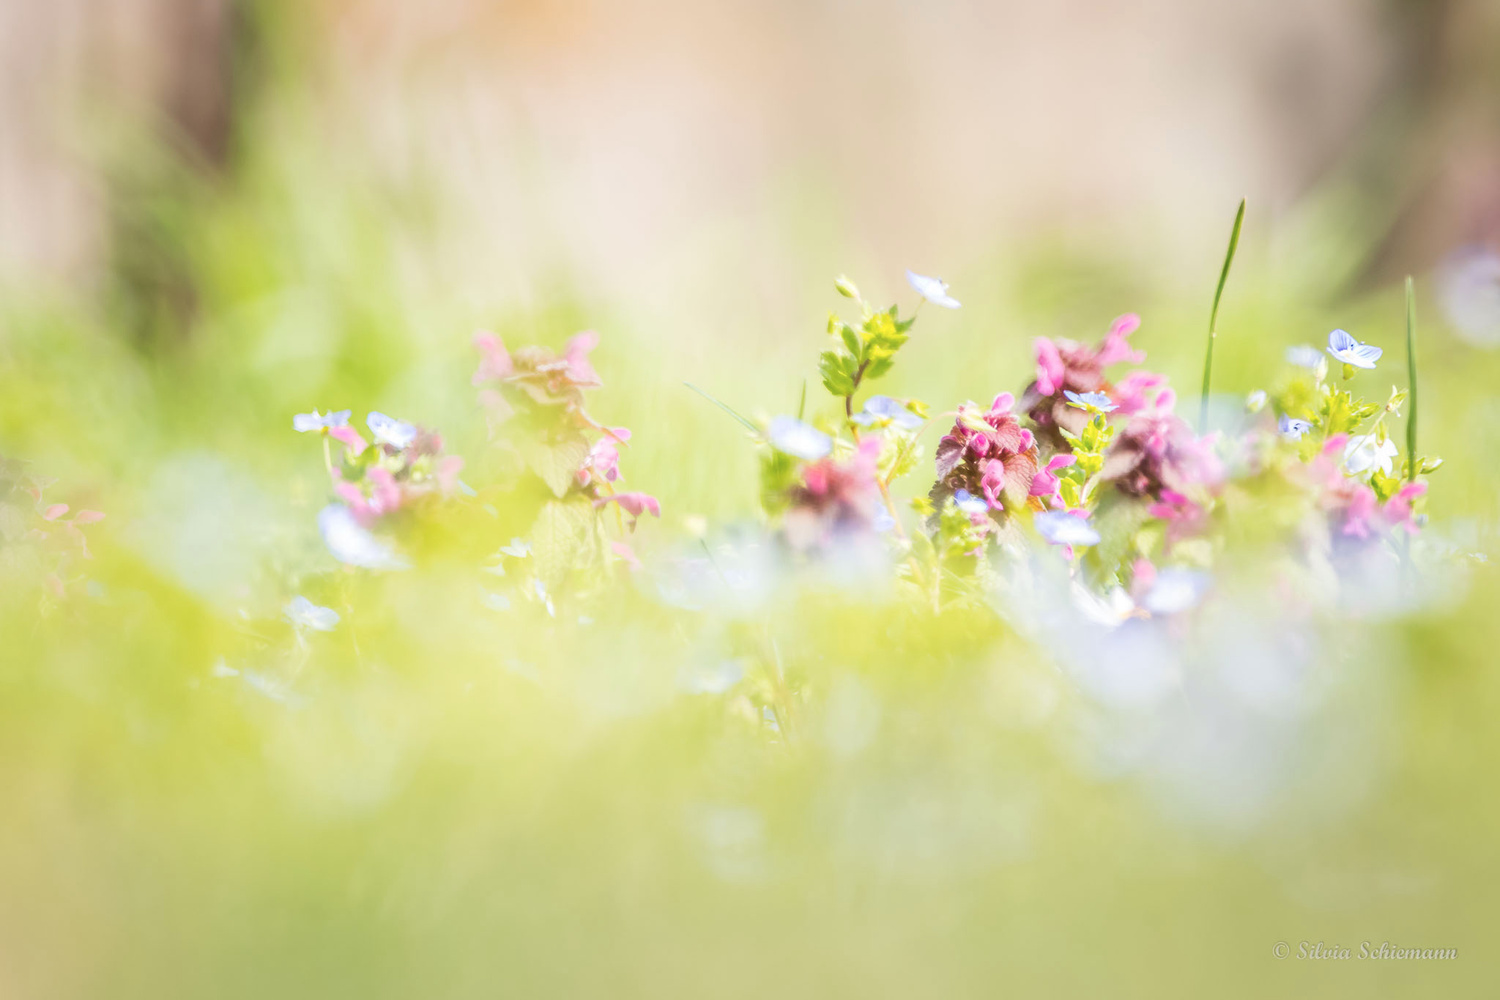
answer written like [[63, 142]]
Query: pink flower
[[1067, 366], [1046, 482], [54, 512], [350, 438], [634, 504], [1398, 509], [543, 376], [1116, 346], [1184, 517], [987, 454], [494, 360], [1359, 512], [576, 354], [602, 464], [835, 497], [1158, 451], [1050, 370], [625, 552], [1129, 394], [447, 472]]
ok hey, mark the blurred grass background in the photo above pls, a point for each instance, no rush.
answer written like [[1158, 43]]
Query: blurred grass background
[[221, 214]]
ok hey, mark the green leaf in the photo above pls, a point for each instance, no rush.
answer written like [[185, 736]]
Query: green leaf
[[557, 464], [560, 538], [838, 377], [851, 340]]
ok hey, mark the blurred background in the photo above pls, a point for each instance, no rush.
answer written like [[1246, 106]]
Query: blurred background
[[338, 193], [216, 214]]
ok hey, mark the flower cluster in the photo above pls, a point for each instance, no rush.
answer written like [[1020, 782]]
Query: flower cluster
[[542, 393], [1065, 367], [403, 468]]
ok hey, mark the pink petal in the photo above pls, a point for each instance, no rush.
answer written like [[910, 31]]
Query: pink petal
[[54, 512], [1049, 367], [626, 553], [494, 361], [447, 472], [88, 516], [349, 437]]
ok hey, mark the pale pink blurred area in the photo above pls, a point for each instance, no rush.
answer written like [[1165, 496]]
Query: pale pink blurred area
[[647, 149]]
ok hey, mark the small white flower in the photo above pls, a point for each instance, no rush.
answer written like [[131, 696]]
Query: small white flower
[[934, 290], [885, 410], [517, 549], [350, 543], [1176, 590], [792, 436], [1351, 352], [1090, 401], [1291, 428], [1061, 528], [388, 430], [1256, 401], [315, 421], [1110, 608], [1364, 453], [1304, 356], [305, 614]]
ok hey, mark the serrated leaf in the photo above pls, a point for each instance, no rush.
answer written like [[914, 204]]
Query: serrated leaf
[[560, 537], [556, 463]]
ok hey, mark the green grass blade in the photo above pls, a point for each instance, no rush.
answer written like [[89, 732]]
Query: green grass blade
[[1411, 379], [802, 404], [1213, 317], [725, 407]]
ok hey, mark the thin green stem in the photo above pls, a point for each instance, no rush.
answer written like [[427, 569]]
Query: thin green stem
[[1213, 317]]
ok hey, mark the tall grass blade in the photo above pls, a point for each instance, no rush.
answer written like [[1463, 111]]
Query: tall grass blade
[[725, 407], [1411, 380], [1213, 317]]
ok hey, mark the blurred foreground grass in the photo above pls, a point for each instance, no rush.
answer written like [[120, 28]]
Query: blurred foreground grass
[[506, 806]]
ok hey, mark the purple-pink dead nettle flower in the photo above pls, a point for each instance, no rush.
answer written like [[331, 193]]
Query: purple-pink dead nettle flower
[[1046, 481], [1141, 391], [1398, 509], [602, 464], [836, 498], [494, 360], [988, 454], [634, 504], [1066, 365], [1158, 451]]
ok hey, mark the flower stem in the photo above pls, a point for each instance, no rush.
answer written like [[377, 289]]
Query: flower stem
[[1213, 317], [327, 456]]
